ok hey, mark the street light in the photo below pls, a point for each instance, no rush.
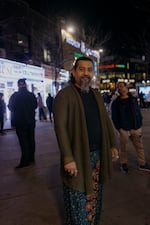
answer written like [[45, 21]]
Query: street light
[[70, 29]]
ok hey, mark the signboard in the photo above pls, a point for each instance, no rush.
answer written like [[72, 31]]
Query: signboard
[[18, 70]]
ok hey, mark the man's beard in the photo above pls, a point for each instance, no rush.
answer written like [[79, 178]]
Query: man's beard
[[85, 83]]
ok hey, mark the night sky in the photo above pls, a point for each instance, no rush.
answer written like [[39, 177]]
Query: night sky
[[125, 19], [125, 15]]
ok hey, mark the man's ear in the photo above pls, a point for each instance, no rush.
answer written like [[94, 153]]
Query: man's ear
[[73, 72]]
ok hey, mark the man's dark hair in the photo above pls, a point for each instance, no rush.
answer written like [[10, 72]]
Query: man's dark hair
[[21, 82], [84, 58], [71, 79], [122, 82]]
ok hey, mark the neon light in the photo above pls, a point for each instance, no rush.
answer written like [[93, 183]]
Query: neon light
[[76, 54], [120, 65], [107, 66], [112, 66]]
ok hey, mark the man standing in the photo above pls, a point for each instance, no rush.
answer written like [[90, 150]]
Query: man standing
[[49, 104], [2, 113], [87, 142], [41, 107], [22, 105], [127, 119]]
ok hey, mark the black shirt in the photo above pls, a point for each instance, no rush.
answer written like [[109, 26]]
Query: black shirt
[[92, 119]]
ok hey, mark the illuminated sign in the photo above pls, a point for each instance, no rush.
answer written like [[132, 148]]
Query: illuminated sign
[[77, 54], [112, 66], [82, 47], [72, 42], [14, 69], [120, 66]]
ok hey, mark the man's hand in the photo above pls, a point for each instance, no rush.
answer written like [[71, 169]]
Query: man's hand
[[115, 155], [71, 168]]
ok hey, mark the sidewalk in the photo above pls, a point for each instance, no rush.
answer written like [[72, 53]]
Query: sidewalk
[[33, 196], [30, 196]]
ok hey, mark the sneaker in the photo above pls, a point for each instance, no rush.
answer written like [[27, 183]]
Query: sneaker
[[32, 162], [2, 133], [145, 167], [124, 168], [20, 166]]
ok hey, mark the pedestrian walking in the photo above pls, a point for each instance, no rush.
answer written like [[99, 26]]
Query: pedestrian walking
[[2, 113], [142, 100], [49, 104], [127, 119], [41, 107], [22, 105], [87, 142]]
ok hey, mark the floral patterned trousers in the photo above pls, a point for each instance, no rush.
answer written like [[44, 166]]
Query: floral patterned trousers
[[82, 209]]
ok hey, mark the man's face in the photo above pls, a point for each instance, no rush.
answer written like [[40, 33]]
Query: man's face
[[122, 89], [83, 74]]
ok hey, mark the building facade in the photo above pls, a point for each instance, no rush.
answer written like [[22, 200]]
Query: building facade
[[33, 39], [132, 71]]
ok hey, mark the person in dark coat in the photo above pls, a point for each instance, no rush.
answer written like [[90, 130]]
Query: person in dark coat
[[2, 113], [87, 143], [22, 105], [49, 104]]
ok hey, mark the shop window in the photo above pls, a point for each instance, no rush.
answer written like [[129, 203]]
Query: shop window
[[22, 40], [47, 55], [2, 85], [9, 84]]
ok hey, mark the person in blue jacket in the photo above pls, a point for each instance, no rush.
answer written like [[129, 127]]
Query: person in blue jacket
[[127, 119]]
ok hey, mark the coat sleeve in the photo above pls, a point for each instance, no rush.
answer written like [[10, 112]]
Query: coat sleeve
[[114, 115], [60, 113], [11, 102]]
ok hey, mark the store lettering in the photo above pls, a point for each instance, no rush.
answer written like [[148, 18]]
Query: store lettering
[[72, 42], [5, 69], [82, 47], [15, 69]]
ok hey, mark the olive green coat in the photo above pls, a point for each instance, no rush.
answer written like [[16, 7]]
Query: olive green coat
[[71, 132]]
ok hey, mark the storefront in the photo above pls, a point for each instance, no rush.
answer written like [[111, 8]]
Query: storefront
[[55, 79], [11, 71]]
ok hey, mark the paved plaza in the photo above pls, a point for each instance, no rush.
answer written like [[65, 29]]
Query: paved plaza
[[33, 196]]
